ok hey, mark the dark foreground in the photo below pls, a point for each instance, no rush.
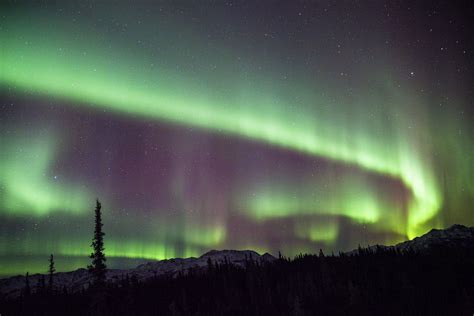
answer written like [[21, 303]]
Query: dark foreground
[[375, 282]]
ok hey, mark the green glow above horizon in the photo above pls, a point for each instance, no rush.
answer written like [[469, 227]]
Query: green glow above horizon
[[164, 241]]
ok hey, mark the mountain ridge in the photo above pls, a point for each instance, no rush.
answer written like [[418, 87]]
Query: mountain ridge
[[457, 236]]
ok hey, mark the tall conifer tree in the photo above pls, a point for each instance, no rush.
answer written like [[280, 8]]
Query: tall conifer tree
[[51, 271], [98, 267]]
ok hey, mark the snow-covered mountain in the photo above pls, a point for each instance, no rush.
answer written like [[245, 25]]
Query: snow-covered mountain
[[79, 279], [456, 237]]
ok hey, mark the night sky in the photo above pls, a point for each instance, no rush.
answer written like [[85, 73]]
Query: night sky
[[277, 126]]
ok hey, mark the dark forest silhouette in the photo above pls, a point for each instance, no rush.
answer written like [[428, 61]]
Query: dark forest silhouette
[[371, 281], [377, 282]]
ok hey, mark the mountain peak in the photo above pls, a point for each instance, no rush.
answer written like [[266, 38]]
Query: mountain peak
[[456, 236], [459, 227]]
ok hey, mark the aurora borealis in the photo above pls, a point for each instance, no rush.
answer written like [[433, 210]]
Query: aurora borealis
[[201, 126]]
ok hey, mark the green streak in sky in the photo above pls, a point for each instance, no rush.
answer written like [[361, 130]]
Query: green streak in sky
[[352, 197], [28, 186], [86, 76], [318, 231], [130, 249]]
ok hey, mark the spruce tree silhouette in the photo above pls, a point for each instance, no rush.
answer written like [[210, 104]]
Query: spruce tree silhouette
[[51, 271], [321, 253], [27, 290], [98, 267]]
